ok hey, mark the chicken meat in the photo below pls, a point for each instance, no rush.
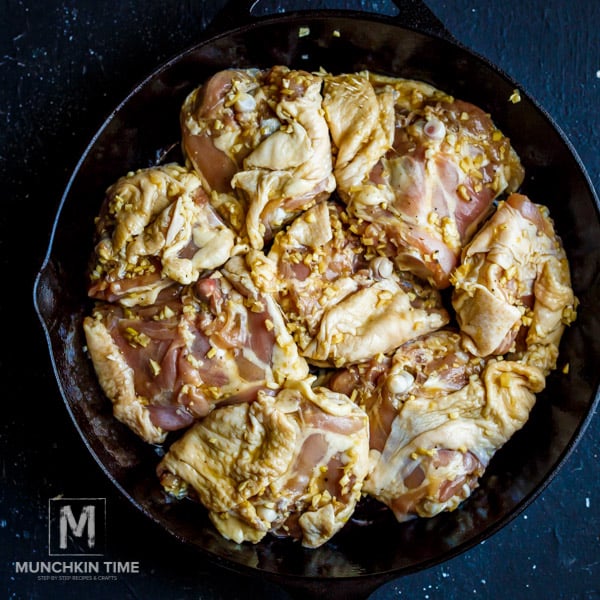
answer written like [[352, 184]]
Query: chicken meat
[[156, 228], [261, 145], [512, 291], [340, 295], [437, 415], [165, 365], [343, 304], [417, 168], [291, 465]]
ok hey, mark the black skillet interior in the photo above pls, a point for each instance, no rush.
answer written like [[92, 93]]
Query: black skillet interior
[[144, 130]]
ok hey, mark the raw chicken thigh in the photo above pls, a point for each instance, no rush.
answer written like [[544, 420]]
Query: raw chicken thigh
[[417, 168], [261, 144], [512, 292], [166, 365], [156, 228], [342, 307], [437, 415], [292, 464]]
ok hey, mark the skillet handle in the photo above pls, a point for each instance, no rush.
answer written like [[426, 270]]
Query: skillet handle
[[414, 14], [355, 588], [45, 302]]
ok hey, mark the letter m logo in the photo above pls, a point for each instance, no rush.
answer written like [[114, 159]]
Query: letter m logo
[[76, 526]]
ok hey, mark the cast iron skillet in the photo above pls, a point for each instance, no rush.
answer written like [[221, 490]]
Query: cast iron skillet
[[144, 130]]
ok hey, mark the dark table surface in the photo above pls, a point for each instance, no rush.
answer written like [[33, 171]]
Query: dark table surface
[[64, 65]]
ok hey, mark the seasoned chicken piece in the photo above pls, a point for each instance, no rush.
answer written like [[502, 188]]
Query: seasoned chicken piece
[[419, 171], [156, 228], [292, 465], [231, 455], [513, 289], [166, 365], [261, 144], [341, 307], [437, 415]]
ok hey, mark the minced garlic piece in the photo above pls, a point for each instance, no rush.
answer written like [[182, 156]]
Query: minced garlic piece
[[515, 97], [154, 367]]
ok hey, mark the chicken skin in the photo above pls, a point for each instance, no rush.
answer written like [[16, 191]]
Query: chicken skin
[[156, 229], [166, 365], [512, 292], [437, 415], [292, 465], [417, 168], [341, 305], [260, 143]]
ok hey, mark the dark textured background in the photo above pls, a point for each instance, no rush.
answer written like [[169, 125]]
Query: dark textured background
[[63, 67]]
